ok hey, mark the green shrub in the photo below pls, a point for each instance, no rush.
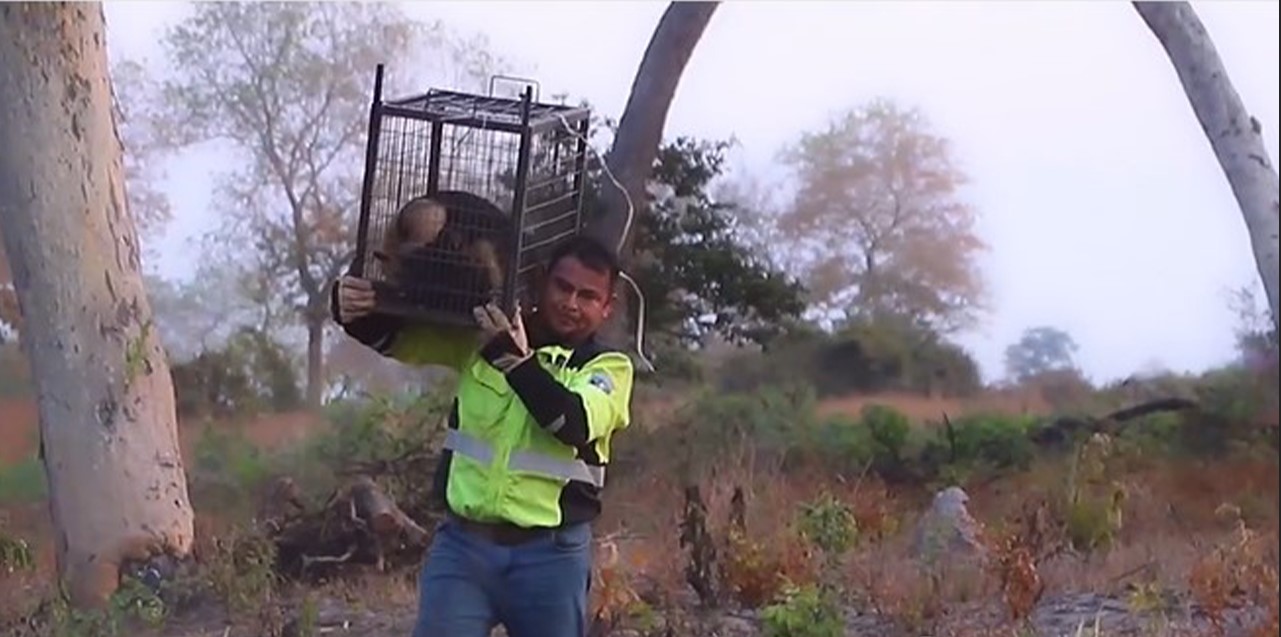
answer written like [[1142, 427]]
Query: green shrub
[[227, 452], [805, 611], [890, 353], [1091, 523], [889, 431], [251, 372], [994, 441], [1154, 433], [771, 418], [23, 482], [829, 524], [381, 429], [397, 436], [842, 443], [15, 374], [1232, 403], [227, 467]]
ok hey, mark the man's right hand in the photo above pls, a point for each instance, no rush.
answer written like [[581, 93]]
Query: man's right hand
[[355, 298]]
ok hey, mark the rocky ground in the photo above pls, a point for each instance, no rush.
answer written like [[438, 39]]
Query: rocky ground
[[1062, 616]]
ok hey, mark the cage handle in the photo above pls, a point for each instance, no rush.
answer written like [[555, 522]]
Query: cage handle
[[493, 79]]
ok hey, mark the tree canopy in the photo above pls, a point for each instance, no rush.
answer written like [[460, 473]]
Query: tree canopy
[[877, 224], [700, 273], [1040, 350], [698, 269], [286, 87]]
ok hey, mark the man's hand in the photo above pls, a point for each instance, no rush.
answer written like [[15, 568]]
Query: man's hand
[[506, 344], [355, 298]]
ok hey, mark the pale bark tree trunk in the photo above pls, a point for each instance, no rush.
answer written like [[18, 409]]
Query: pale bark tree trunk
[[640, 131], [109, 440], [1235, 136]]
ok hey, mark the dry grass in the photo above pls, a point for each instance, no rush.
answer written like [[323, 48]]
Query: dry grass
[[1206, 528], [1171, 532], [19, 429], [921, 409]]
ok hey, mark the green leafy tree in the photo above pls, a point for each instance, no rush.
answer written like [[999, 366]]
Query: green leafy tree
[[1040, 350], [249, 372], [699, 273]]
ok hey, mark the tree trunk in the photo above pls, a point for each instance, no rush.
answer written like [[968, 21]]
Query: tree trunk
[[1235, 136], [315, 361], [640, 131], [109, 439]]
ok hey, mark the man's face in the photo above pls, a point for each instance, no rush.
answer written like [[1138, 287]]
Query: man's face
[[576, 299]]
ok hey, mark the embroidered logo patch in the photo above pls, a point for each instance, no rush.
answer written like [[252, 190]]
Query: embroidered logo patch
[[602, 382]]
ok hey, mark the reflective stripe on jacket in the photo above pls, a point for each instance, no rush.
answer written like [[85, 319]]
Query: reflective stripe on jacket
[[529, 448]]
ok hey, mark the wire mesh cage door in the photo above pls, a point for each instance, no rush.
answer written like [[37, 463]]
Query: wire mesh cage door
[[463, 195]]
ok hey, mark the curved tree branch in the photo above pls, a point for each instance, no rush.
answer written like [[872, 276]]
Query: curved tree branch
[[1235, 136], [640, 130]]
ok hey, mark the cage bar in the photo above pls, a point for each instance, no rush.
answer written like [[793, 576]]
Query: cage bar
[[464, 196]]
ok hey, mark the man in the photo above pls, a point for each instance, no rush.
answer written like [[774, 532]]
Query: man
[[529, 437]]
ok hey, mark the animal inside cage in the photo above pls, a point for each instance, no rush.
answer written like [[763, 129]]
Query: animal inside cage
[[464, 197]]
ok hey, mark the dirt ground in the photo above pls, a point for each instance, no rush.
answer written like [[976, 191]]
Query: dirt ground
[[18, 425]]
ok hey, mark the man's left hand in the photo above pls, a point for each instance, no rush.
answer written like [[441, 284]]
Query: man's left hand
[[506, 344]]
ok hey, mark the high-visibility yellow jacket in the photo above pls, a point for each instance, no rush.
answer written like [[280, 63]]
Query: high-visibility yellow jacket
[[530, 447]]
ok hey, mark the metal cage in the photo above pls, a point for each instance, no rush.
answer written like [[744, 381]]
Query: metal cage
[[499, 180]]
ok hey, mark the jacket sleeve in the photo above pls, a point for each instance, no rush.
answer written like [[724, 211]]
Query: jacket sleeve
[[409, 343], [595, 403]]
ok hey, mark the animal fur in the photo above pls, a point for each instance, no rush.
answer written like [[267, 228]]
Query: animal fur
[[451, 248]]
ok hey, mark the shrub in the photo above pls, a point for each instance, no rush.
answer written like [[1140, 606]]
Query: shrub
[[774, 421], [383, 428], [241, 572], [865, 356], [396, 436], [23, 482], [227, 467], [1154, 433], [15, 554], [888, 430], [251, 372], [841, 443], [15, 374], [994, 441], [803, 611], [755, 571], [828, 524]]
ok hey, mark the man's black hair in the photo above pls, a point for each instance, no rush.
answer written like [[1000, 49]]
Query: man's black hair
[[589, 252]]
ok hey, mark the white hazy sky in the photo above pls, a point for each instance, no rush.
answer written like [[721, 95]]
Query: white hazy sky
[[1105, 210]]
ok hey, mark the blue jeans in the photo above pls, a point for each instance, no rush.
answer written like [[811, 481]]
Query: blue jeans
[[469, 585]]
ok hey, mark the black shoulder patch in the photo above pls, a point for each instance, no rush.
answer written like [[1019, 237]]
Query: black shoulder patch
[[584, 353]]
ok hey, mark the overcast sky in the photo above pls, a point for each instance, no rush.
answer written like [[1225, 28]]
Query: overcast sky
[[1105, 210]]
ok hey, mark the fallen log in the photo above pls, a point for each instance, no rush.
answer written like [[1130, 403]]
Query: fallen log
[[358, 527], [1060, 432], [1151, 407]]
